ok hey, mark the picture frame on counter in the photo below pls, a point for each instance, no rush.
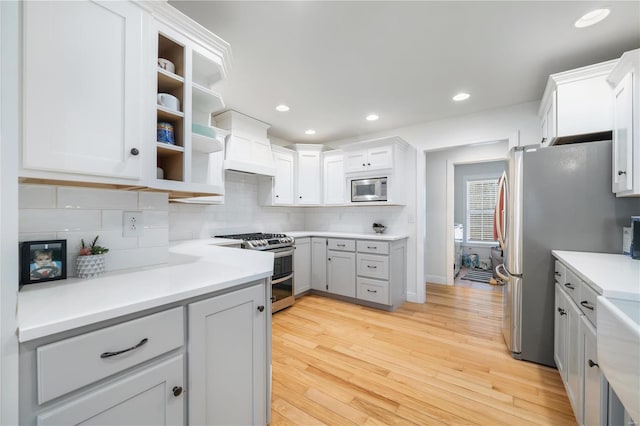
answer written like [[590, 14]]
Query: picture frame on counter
[[42, 261]]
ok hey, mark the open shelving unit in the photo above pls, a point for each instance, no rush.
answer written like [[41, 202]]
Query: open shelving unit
[[194, 164]]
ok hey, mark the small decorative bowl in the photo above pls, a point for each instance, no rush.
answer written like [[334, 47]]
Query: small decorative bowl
[[379, 229]]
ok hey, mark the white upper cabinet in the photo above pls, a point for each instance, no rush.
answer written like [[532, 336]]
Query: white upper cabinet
[[308, 172], [577, 105], [283, 180], [82, 90], [333, 178], [625, 81], [377, 158]]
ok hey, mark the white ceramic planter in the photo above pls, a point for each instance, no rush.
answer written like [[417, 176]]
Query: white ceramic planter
[[90, 266]]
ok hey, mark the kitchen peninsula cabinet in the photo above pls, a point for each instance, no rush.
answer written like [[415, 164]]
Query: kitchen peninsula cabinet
[[82, 91], [228, 359]]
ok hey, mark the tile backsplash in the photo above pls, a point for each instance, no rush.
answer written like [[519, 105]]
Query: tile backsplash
[[71, 213]]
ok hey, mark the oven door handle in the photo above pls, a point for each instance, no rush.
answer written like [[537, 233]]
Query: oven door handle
[[279, 280], [283, 253]]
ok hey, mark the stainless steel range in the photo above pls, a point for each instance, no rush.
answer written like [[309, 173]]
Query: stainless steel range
[[282, 279]]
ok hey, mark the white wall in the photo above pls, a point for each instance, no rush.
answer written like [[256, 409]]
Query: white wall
[[72, 213], [239, 213]]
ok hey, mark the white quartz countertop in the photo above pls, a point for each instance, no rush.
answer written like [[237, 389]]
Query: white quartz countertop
[[195, 268], [611, 275], [365, 236]]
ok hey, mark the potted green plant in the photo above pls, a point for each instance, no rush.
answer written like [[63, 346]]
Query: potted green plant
[[90, 262]]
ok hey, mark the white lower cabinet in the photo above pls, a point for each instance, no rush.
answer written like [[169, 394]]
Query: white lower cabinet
[[575, 348], [227, 359], [371, 290], [341, 273], [302, 266], [153, 396]]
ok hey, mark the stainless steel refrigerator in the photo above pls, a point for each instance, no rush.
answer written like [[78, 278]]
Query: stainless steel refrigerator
[[555, 198]]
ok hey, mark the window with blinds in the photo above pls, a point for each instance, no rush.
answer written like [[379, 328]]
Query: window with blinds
[[481, 203]]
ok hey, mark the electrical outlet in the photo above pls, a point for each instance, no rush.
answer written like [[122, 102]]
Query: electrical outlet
[[132, 224]]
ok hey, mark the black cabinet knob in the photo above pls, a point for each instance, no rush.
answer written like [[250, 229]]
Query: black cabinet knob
[[177, 390], [363, 164], [621, 172], [593, 364], [135, 151], [301, 197], [277, 196], [261, 308], [368, 164]]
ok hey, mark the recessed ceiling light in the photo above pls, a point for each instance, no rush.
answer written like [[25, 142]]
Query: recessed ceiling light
[[461, 96], [592, 18], [372, 117], [282, 108], [310, 132]]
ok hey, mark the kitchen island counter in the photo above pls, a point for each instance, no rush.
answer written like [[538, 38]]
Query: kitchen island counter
[[196, 268]]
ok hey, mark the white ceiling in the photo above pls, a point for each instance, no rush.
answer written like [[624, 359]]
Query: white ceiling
[[335, 62]]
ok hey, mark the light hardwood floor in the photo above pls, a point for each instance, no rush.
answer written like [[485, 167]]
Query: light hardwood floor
[[443, 362]]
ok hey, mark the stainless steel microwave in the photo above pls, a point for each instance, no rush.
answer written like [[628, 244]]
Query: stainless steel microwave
[[373, 189]]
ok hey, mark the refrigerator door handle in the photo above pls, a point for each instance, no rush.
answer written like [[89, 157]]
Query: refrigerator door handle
[[501, 205], [505, 274]]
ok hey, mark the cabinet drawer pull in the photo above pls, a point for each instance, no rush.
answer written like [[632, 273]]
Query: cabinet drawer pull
[[593, 364], [177, 391], [557, 274], [569, 286], [372, 291], [372, 267], [340, 245], [621, 172], [587, 305], [372, 248], [562, 311], [110, 354]]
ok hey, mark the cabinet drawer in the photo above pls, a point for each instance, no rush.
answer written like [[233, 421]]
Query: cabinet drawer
[[588, 298], [572, 285], [78, 361], [344, 245], [560, 272], [373, 266], [373, 290], [373, 247]]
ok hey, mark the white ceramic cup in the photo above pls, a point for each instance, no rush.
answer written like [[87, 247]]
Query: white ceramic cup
[[166, 64], [169, 101]]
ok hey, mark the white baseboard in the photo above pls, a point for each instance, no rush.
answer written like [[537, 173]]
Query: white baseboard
[[435, 279], [412, 297]]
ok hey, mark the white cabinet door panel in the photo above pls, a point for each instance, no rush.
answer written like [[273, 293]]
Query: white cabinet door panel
[[319, 263], [283, 181], [142, 398], [302, 265], [334, 181], [623, 135], [341, 273], [380, 158], [593, 382], [308, 178], [227, 359], [82, 87]]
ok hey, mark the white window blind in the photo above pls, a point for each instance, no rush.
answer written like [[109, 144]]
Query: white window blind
[[481, 203]]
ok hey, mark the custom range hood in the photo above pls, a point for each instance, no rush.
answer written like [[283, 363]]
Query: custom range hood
[[247, 149]]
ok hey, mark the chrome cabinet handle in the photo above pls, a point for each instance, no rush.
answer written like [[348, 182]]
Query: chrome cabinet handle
[[587, 305], [593, 364], [569, 286], [110, 354]]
